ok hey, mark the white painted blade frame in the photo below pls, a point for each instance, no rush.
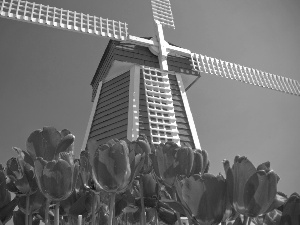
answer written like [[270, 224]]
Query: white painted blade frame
[[203, 63], [162, 12], [64, 19]]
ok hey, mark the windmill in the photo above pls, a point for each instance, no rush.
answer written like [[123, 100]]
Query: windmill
[[64, 19]]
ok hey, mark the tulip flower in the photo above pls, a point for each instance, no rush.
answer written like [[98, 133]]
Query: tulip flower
[[113, 167], [184, 161], [4, 194], [20, 172], [49, 142], [251, 191], [291, 210], [56, 178], [204, 196], [6, 205], [140, 146], [164, 163], [55, 170], [201, 162]]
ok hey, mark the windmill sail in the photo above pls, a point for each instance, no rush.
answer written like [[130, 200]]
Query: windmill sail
[[64, 19], [162, 12], [205, 64]]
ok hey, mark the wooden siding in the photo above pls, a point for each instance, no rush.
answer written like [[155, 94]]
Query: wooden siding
[[180, 114], [111, 115]]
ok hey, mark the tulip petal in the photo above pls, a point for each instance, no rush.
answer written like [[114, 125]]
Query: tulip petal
[[57, 179], [52, 138], [166, 154], [242, 170], [229, 180], [111, 165], [184, 161], [278, 201], [260, 191], [92, 146], [5, 196], [198, 162], [206, 197], [291, 211], [65, 144], [39, 165], [35, 144]]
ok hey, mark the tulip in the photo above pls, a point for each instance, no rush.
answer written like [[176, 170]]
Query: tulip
[[201, 162], [6, 205], [4, 194], [20, 172], [184, 161], [113, 167], [291, 210], [55, 170], [164, 163], [251, 191], [204, 196], [56, 178]]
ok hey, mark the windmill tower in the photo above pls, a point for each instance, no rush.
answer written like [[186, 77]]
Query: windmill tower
[[170, 61]]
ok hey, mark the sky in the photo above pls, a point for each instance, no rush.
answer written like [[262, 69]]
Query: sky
[[45, 76]]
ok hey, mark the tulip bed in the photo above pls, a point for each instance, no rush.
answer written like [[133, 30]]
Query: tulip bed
[[123, 182]]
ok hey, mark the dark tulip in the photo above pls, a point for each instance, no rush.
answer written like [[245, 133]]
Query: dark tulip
[[57, 178], [113, 165], [85, 169], [291, 211], [201, 162], [150, 186], [5, 196], [167, 215], [140, 146], [49, 142], [205, 197], [165, 162], [251, 191], [184, 161], [20, 172]]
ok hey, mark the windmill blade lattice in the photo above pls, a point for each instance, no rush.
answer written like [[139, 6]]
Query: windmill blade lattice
[[162, 12], [64, 19], [203, 63]]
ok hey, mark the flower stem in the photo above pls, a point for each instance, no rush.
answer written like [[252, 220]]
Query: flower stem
[[143, 216], [93, 209], [80, 220], [30, 218], [246, 218], [27, 210], [175, 198], [56, 214], [47, 212], [156, 216], [111, 208]]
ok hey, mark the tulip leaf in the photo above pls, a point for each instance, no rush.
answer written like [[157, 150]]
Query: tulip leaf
[[6, 211]]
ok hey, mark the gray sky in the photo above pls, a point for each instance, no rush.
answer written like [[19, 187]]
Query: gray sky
[[45, 75]]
